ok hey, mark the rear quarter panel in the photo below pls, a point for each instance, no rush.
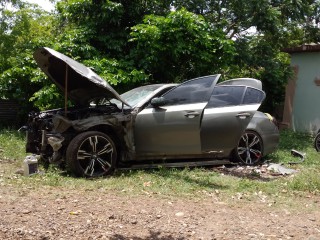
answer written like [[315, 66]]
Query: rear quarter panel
[[267, 130]]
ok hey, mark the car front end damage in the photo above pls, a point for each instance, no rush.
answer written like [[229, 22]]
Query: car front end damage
[[50, 132]]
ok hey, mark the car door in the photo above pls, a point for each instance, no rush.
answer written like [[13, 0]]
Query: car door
[[225, 118], [174, 128]]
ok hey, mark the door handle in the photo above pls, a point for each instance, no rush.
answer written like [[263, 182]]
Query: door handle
[[192, 114], [243, 115]]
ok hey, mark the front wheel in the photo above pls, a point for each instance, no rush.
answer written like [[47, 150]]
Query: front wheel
[[317, 142], [250, 148], [91, 154]]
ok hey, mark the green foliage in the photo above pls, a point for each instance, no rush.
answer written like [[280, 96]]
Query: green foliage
[[265, 16], [75, 43], [137, 41], [22, 30], [117, 72], [261, 59], [48, 97], [107, 23], [261, 29], [179, 46], [93, 16]]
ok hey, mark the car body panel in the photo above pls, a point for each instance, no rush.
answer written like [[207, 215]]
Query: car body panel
[[168, 131], [174, 129], [222, 127], [267, 130], [228, 112]]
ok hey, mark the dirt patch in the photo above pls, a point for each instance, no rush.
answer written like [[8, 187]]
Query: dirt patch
[[57, 213]]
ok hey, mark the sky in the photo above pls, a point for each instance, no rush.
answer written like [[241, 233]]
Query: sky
[[45, 4]]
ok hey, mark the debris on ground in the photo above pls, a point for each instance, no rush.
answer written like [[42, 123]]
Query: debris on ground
[[296, 153], [263, 172], [279, 168]]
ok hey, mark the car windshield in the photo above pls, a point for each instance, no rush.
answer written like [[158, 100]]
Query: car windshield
[[136, 95]]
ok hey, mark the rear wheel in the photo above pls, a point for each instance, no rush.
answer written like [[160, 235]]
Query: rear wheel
[[250, 148], [317, 142], [91, 154]]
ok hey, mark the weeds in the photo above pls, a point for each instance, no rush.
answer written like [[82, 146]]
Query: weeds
[[12, 145]]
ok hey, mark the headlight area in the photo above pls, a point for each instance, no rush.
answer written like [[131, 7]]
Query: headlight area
[[37, 127]]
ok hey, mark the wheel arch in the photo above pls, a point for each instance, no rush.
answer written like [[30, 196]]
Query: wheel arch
[[114, 133]]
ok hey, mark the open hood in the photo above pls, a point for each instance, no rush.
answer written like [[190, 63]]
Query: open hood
[[79, 82]]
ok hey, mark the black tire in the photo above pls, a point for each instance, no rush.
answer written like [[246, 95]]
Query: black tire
[[250, 148], [317, 142], [91, 154]]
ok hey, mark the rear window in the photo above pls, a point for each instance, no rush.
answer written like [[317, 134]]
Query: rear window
[[224, 96]]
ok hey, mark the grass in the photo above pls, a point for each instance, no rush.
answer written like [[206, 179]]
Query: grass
[[12, 145], [191, 183]]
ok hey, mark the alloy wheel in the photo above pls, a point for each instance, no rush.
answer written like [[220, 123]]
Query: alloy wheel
[[95, 155], [249, 150]]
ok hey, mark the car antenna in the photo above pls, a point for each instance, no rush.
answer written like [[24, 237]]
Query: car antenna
[[66, 92], [122, 107]]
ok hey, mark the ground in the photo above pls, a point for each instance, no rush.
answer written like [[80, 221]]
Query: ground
[[54, 213]]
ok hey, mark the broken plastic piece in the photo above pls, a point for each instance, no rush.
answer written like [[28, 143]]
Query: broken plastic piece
[[296, 153], [278, 168]]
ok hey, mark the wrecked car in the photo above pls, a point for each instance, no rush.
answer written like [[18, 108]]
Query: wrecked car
[[197, 122]]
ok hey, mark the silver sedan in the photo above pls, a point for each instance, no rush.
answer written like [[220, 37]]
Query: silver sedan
[[197, 122]]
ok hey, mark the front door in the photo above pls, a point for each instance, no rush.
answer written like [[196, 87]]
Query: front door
[[174, 129]]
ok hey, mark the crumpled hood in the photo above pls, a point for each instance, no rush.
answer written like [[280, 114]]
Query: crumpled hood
[[79, 81]]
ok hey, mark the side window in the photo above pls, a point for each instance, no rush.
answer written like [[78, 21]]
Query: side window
[[193, 91], [228, 95], [253, 96], [223, 96]]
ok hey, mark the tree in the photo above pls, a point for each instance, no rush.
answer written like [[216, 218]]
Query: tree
[[130, 42], [106, 24], [23, 29], [179, 46], [261, 59], [236, 17], [260, 29]]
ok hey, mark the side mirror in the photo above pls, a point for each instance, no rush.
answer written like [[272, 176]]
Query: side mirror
[[158, 102]]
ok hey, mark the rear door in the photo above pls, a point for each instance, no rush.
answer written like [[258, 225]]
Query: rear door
[[225, 118], [174, 129]]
